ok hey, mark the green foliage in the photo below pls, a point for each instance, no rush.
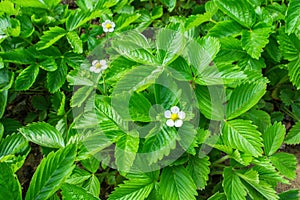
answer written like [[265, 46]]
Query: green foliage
[[231, 67]]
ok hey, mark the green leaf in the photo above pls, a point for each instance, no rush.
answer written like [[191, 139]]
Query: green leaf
[[196, 20], [51, 173], [241, 11], [57, 78], [233, 186], [177, 184], [75, 42], [169, 45], [242, 135], [43, 134], [78, 18], [257, 189], [8, 7], [1, 131], [169, 3], [14, 144], [211, 101], [160, 144], [46, 4], [259, 117], [285, 163], [292, 17], [125, 152], [292, 194], [199, 170], [201, 54], [27, 28], [293, 137], [9, 185], [135, 47], [225, 29], [289, 46], [135, 188], [50, 37], [273, 138], [93, 186], [218, 196], [81, 95], [254, 40], [244, 97], [124, 20], [3, 101], [73, 192], [92, 144], [138, 79], [48, 65], [27, 77]]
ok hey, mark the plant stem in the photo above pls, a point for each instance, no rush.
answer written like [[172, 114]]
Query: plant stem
[[221, 160]]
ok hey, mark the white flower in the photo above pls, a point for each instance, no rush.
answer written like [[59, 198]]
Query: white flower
[[98, 66], [175, 117], [108, 26]]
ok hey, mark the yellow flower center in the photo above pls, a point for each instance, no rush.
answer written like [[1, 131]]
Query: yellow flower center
[[174, 116], [108, 26], [98, 65]]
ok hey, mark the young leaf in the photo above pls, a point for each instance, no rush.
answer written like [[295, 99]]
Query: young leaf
[[293, 137], [78, 18], [211, 101], [254, 40], [14, 144], [51, 173], [160, 144], [196, 20], [242, 135], [43, 134], [136, 188], [273, 138], [244, 97], [169, 44], [292, 17], [50, 37], [9, 185], [125, 153], [3, 100], [256, 188], [241, 11], [27, 77], [57, 78], [73, 192], [169, 3], [233, 186], [177, 184], [93, 186], [199, 170], [285, 163], [75, 42], [138, 79]]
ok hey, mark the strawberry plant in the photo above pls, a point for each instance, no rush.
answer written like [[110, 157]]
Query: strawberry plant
[[168, 99]]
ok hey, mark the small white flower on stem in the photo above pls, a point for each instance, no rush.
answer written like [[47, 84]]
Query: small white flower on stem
[[175, 117], [108, 26], [98, 66]]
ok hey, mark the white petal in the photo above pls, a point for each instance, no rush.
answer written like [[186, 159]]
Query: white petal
[[95, 62], [181, 115], [105, 29], [97, 70], [104, 67], [113, 24], [167, 114], [174, 109], [107, 21], [178, 123], [170, 122], [92, 68], [102, 62], [111, 30]]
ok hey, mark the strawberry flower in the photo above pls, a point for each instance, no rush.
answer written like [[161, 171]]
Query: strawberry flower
[[98, 66], [175, 117]]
